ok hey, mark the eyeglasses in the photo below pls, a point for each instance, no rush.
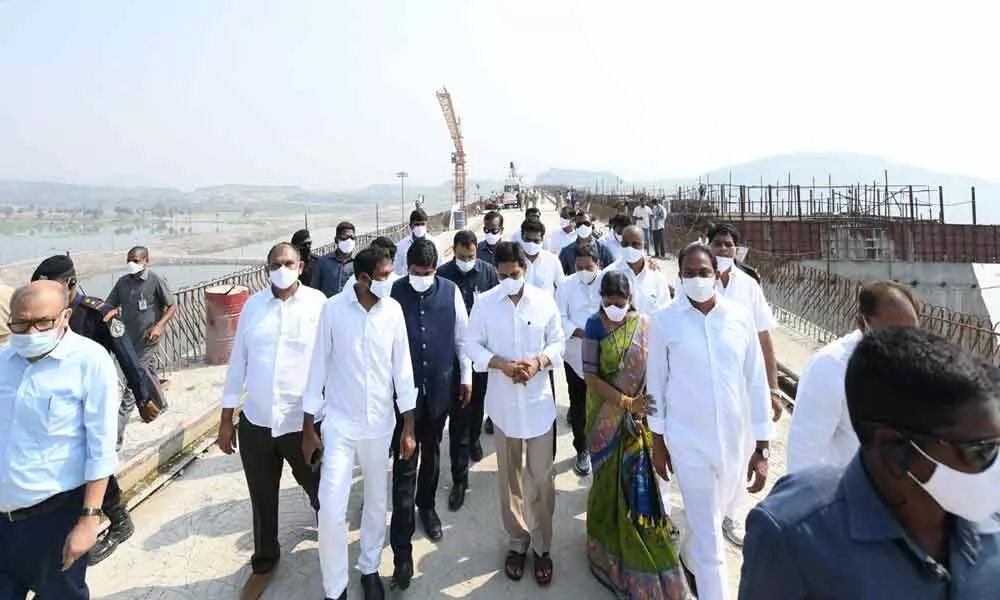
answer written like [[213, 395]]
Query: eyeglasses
[[40, 325], [978, 454]]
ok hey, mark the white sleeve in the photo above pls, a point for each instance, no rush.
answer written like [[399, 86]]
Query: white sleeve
[[555, 339], [757, 389], [402, 368], [819, 406], [657, 374], [562, 302], [236, 374], [312, 396], [476, 339], [461, 325], [762, 316]]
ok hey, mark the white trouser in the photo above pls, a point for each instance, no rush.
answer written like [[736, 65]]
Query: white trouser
[[706, 491], [334, 490], [664, 486], [735, 508]]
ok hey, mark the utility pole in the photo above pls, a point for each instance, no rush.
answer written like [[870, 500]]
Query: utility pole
[[402, 195]]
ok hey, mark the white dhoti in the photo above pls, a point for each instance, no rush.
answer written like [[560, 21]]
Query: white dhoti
[[706, 491], [339, 456]]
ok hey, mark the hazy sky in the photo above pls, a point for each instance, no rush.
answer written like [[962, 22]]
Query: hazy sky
[[340, 93]]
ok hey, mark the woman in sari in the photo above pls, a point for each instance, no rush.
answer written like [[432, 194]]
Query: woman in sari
[[629, 546]]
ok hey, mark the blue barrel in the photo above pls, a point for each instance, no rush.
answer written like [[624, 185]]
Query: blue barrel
[[458, 220]]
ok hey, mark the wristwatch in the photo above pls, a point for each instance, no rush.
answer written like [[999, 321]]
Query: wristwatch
[[90, 512], [765, 453]]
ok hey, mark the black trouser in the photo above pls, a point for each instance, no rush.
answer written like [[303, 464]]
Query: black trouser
[[263, 459], [659, 243], [555, 422], [577, 408], [410, 486], [31, 553], [465, 428]]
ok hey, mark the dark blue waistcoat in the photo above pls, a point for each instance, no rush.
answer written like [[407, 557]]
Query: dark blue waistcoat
[[430, 327]]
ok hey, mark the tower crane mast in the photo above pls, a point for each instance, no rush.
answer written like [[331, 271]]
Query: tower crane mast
[[458, 156]]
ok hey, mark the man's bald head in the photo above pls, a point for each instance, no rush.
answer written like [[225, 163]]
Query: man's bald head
[[632, 237], [882, 303]]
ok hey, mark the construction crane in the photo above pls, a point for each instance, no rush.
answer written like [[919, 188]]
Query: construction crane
[[458, 156]]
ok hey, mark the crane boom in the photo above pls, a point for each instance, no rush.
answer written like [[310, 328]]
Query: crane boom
[[457, 157]]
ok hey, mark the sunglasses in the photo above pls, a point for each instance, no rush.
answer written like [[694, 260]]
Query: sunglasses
[[978, 454]]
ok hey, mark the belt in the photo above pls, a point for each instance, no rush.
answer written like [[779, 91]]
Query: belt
[[45, 506]]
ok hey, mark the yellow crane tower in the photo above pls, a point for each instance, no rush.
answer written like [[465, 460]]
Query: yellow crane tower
[[458, 156]]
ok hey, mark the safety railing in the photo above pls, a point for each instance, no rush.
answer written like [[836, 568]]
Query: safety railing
[[184, 340]]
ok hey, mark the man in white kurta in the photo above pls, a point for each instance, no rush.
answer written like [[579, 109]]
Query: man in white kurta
[[556, 240], [515, 334], [706, 375], [361, 357], [544, 269], [418, 229], [650, 291], [821, 431]]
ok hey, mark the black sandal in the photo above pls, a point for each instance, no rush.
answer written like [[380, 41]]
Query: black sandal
[[514, 565], [543, 569]]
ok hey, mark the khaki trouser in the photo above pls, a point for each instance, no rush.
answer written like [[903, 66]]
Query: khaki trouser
[[542, 493]]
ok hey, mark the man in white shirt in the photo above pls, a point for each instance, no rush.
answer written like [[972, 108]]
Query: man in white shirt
[[436, 323], [270, 357], [658, 222], [706, 375], [360, 358], [578, 299], [418, 229], [531, 214], [650, 291], [379, 242], [515, 334], [544, 270], [565, 235], [821, 431], [613, 240], [642, 214], [743, 289]]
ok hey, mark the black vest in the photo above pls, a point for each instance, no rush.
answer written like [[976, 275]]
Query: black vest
[[430, 327]]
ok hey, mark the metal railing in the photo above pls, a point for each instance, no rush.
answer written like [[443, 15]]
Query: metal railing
[[184, 340]]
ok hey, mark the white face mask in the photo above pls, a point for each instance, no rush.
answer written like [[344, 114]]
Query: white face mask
[[419, 231], [531, 248], [724, 262], [381, 289], [632, 255], [33, 345], [134, 268], [511, 286], [699, 289], [421, 283], [465, 265], [584, 231], [587, 277], [283, 277], [972, 496], [563, 223], [346, 246], [492, 238], [615, 313]]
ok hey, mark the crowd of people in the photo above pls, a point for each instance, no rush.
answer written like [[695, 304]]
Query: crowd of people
[[364, 356]]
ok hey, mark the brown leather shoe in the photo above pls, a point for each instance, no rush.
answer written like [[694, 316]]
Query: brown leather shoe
[[255, 585]]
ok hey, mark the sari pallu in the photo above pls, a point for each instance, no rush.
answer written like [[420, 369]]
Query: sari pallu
[[628, 535]]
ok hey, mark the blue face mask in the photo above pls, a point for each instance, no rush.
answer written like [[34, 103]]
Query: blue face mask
[[33, 345]]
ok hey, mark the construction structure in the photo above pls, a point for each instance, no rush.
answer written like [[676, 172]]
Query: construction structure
[[458, 156]]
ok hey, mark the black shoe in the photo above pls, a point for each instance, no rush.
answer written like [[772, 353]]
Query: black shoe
[[456, 498], [582, 464], [488, 426], [476, 453], [401, 575], [120, 530], [371, 584], [431, 523]]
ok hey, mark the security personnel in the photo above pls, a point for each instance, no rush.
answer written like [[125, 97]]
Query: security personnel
[[88, 320]]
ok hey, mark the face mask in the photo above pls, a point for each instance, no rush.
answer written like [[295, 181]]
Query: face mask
[[699, 289], [584, 231], [615, 313], [283, 277], [531, 248], [632, 255], [419, 231], [381, 289], [346, 246], [972, 496], [725, 263], [134, 268], [421, 284], [465, 265], [511, 286], [492, 238], [587, 277], [33, 345], [563, 223]]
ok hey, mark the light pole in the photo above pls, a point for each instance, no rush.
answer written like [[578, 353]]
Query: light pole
[[402, 195]]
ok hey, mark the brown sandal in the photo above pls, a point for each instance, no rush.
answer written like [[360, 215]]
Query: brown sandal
[[543, 569], [514, 565]]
